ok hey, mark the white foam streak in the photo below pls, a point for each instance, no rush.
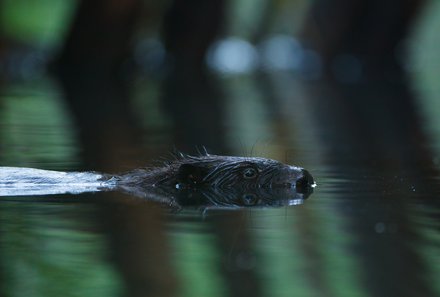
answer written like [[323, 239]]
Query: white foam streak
[[16, 181]]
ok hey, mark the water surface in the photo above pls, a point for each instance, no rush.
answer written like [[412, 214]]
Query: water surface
[[365, 231]]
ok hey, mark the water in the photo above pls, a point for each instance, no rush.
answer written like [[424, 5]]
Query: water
[[368, 229], [341, 242], [19, 181]]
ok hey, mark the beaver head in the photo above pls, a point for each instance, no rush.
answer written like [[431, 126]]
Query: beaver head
[[221, 181], [241, 182], [239, 173]]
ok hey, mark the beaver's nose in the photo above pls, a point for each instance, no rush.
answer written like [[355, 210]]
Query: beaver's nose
[[305, 182]]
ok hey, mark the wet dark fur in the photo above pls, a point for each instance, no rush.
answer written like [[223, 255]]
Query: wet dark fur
[[219, 178], [217, 171]]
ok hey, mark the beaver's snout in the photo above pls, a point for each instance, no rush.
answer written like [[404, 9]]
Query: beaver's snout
[[304, 182]]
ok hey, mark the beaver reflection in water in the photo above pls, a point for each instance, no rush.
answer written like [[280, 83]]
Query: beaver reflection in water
[[221, 181]]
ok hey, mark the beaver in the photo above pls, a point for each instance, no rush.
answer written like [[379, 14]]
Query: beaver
[[203, 180], [221, 181]]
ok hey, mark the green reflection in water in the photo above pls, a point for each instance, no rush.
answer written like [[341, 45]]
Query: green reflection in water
[[428, 227], [329, 226], [46, 250], [281, 261], [196, 262], [290, 242]]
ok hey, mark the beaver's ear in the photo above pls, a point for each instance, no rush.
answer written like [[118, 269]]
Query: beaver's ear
[[191, 174]]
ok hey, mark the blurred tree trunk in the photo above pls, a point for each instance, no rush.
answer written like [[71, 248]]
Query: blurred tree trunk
[[190, 95], [90, 70], [100, 37]]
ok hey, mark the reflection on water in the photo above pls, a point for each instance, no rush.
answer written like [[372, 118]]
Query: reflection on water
[[367, 230], [50, 249], [346, 239]]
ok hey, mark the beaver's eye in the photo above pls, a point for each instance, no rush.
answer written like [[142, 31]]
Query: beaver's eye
[[250, 173], [249, 199]]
